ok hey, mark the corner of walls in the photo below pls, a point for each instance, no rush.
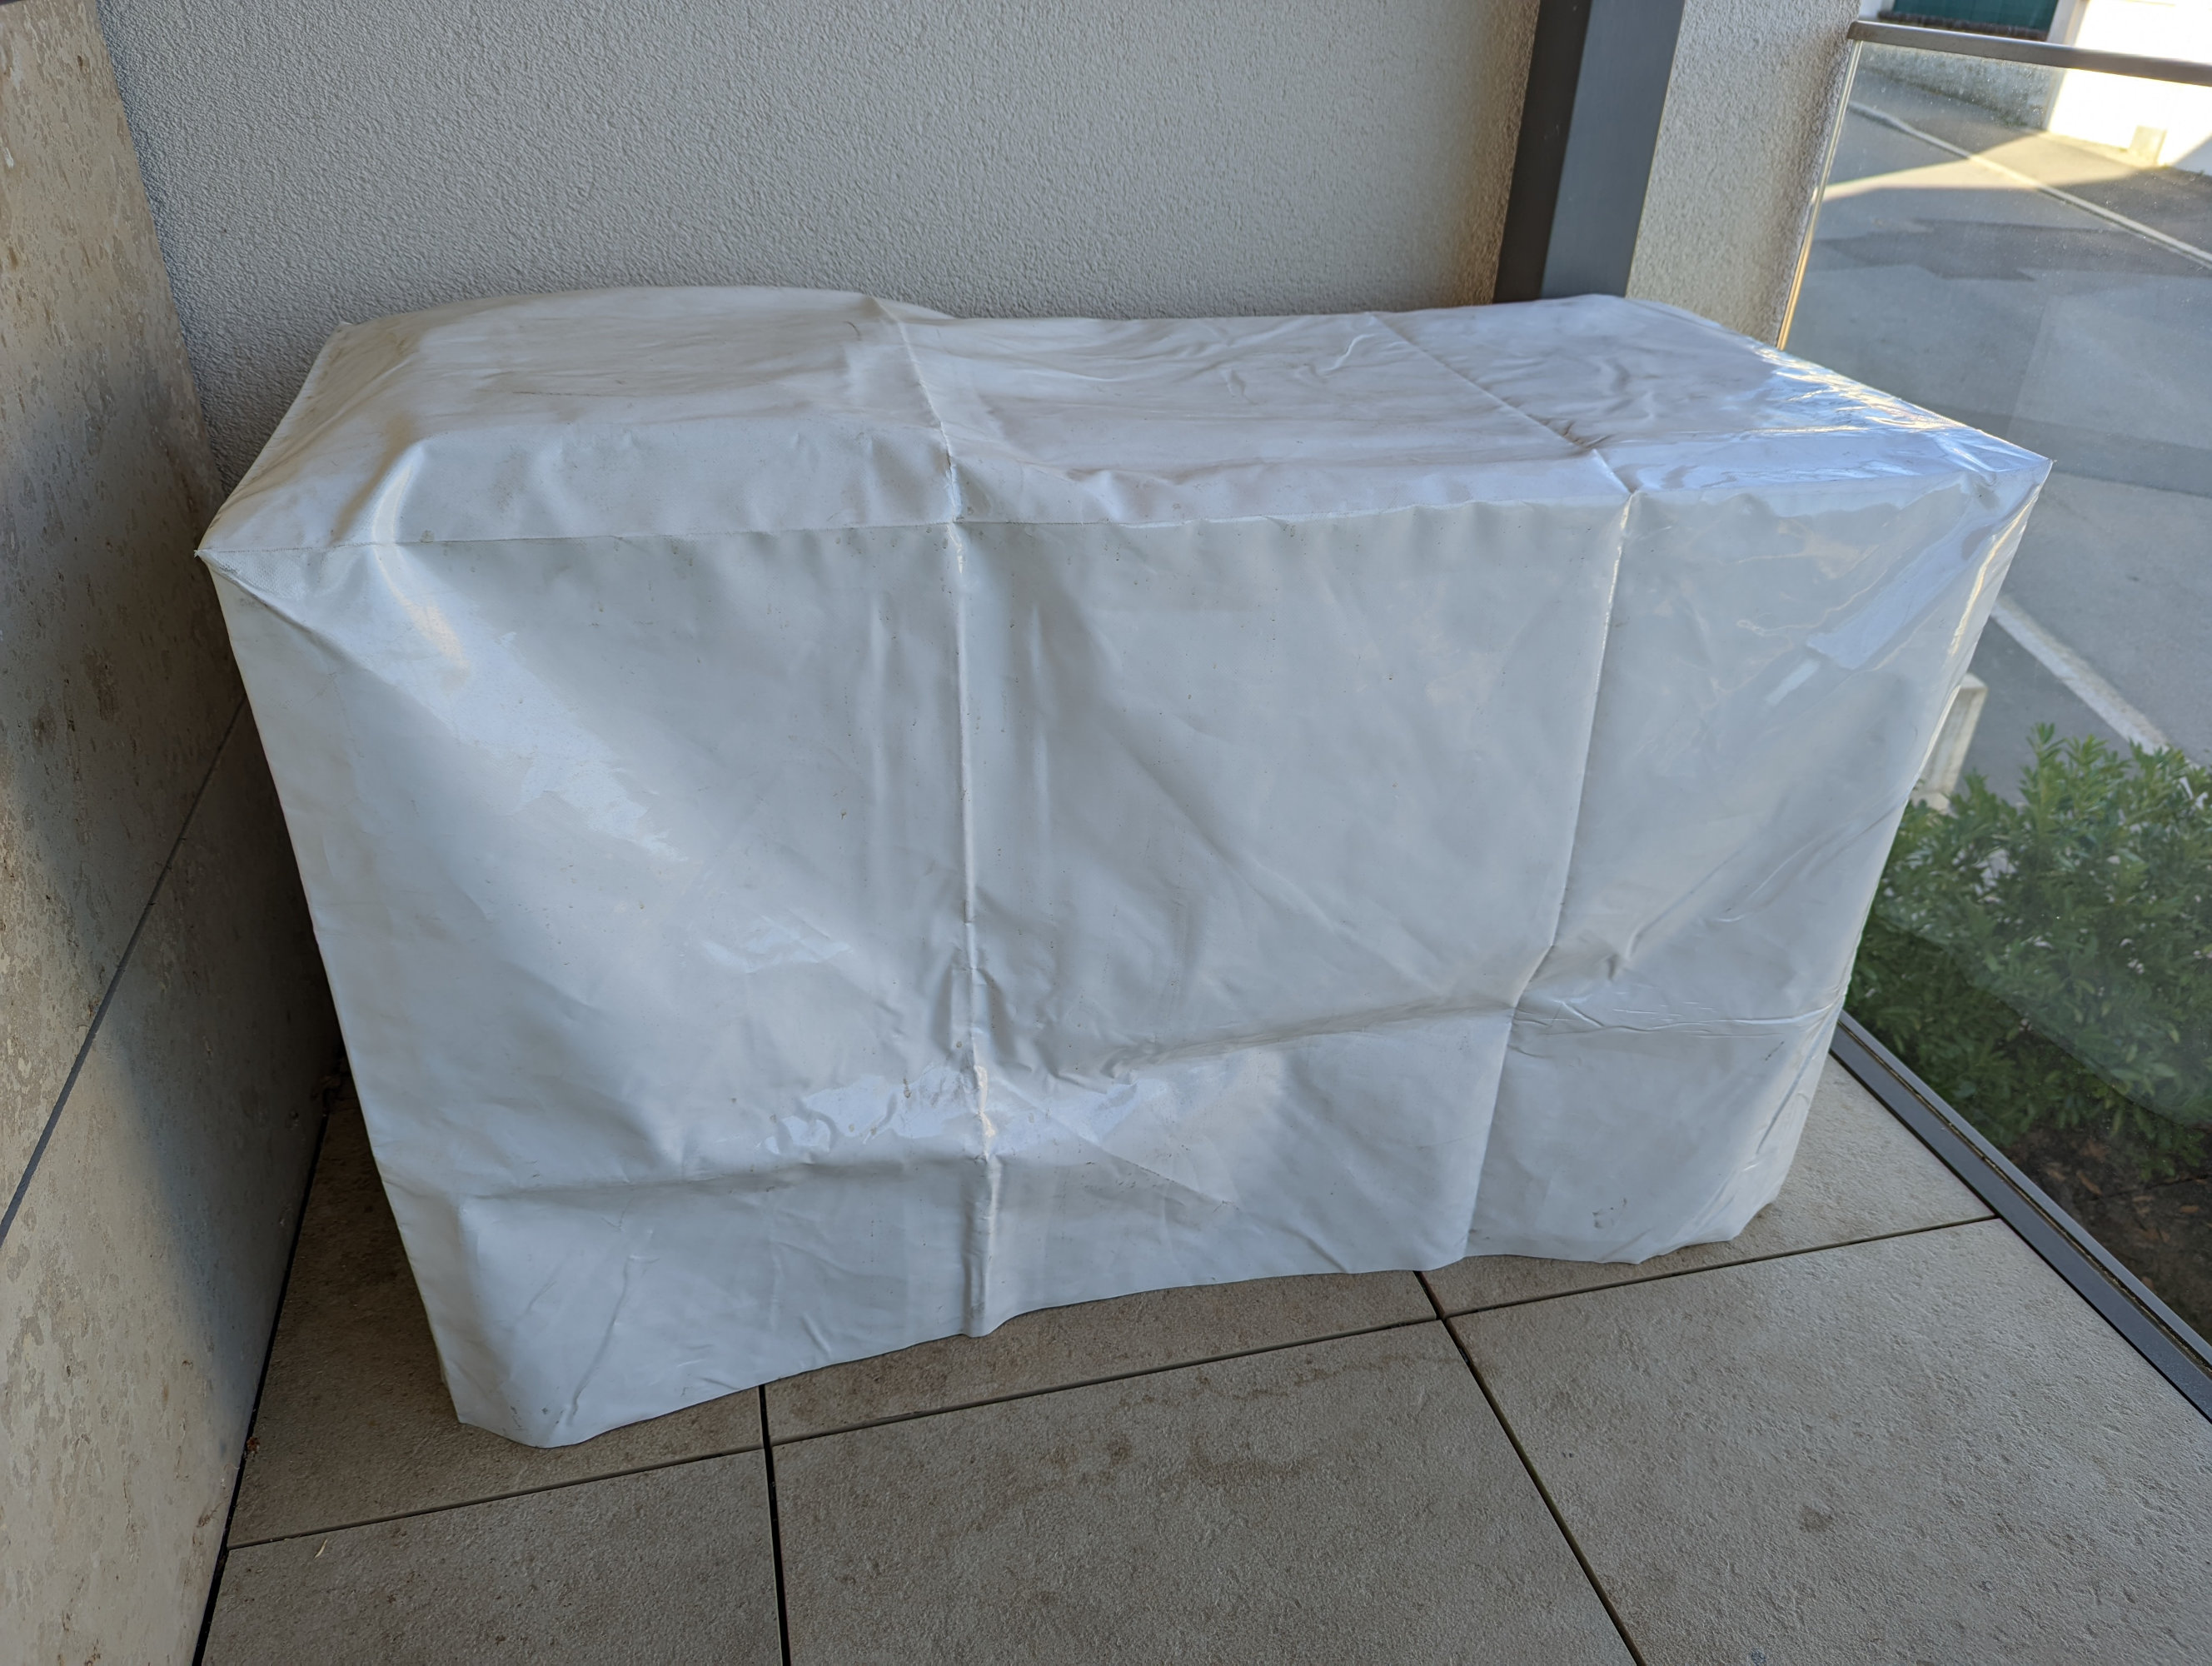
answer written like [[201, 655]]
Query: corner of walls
[[1510, 28], [163, 1024], [1754, 91]]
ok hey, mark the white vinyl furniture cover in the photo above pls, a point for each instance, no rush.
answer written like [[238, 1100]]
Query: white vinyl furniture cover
[[832, 825]]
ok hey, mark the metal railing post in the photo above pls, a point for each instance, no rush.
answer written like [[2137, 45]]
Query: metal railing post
[[1589, 122]]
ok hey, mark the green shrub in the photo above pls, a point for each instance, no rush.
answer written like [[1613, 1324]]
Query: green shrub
[[2049, 962]]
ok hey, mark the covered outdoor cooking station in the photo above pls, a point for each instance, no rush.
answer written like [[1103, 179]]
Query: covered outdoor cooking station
[[832, 825]]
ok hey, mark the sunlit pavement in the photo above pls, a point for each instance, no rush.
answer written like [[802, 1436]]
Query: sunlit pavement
[[1945, 281]]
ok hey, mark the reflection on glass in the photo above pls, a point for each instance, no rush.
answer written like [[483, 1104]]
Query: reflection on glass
[[2030, 250]]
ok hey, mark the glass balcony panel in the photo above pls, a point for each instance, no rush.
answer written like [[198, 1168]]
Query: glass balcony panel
[[2030, 250]]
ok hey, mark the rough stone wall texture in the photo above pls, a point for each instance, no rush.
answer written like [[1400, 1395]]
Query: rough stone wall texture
[[139, 1282], [312, 161], [1742, 144], [115, 680], [163, 1023]]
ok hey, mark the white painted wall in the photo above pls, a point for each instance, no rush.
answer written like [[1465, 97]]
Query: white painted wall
[[312, 161], [2160, 123]]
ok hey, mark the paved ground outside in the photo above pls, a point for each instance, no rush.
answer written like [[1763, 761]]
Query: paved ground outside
[[1955, 284], [1874, 1428]]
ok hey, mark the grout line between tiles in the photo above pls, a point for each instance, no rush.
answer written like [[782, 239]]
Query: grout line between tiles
[[1710, 1267], [1439, 1314], [819, 1434], [1109, 1376], [775, 1526], [500, 1498], [1536, 1481]]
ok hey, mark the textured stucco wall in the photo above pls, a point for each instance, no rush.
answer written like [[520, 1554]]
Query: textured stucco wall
[[156, 1114], [1742, 144], [312, 161]]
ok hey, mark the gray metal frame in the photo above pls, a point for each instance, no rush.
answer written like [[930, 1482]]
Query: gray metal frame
[[1961, 43]]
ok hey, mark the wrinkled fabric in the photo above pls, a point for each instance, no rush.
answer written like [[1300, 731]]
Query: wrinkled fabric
[[831, 826]]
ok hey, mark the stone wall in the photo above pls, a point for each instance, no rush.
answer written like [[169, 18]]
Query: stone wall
[[165, 1020]]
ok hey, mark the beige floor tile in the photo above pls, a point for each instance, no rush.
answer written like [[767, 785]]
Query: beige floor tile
[[673, 1564], [1065, 1346], [1347, 1500], [1924, 1448], [354, 1423], [1859, 1174]]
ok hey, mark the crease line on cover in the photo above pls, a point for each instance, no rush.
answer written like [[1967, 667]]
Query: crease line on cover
[[1631, 497], [983, 1213]]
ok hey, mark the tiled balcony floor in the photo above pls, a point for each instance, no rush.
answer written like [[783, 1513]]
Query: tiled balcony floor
[[1875, 1428]]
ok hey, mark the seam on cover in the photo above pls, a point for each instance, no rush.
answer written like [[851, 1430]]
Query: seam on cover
[[207, 551], [1590, 734], [2031, 462], [959, 496], [1582, 785], [983, 1217], [1923, 421], [1503, 403]]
